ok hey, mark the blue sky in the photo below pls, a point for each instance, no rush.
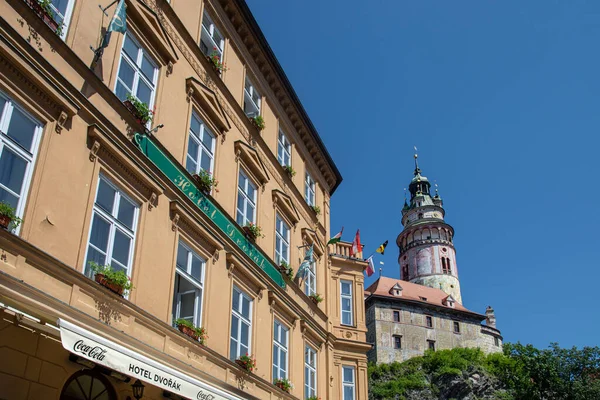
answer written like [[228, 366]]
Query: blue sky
[[502, 100]]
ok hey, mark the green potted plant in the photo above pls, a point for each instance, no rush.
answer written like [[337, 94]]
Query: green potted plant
[[285, 269], [187, 328], [139, 109], [284, 384], [8, 216], [316, 209], [116, 281], [252, 231], [258, 122], [215, 60], [44, 11], [205, 181], [246, 362], [289, 170], [316, 298]]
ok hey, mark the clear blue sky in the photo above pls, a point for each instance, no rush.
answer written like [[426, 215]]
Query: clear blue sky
[[502, 98]]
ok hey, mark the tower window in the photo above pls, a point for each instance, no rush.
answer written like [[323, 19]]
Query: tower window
[[429, 321], [431, 344], [456, 327], [496, 341], [396, 316], [420, 215], [405, 272], [446, 265], [398, 342]]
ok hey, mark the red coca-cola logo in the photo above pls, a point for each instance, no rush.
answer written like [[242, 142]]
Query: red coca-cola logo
[[93, 352]]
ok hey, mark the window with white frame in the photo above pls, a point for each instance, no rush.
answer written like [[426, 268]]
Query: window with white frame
[[309, 194], [346, 302], [310, 283], [138, 73], [189, 285], [112, 232], [211, 40], [284, 150], [62, 10], [282, 241], [241, 324], [251, 99], [310, 372], [348, 383], [280, 351], [201, 147], [20, 136], [246, 201]]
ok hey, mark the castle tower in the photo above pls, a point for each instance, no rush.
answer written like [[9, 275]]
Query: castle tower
[[427, 256]]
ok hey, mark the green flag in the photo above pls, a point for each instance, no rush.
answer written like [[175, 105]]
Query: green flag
[[118, 23], [336, 238]]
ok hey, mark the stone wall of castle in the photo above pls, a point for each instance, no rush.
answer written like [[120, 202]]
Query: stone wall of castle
[[415, 336]]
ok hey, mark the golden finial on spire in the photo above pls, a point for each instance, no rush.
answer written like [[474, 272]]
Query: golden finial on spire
[[417, 170]]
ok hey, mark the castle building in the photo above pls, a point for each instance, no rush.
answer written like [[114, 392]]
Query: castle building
[[111, 158], [423, 310]]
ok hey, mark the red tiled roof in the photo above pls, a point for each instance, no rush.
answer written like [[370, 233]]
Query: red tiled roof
[[413, 292]]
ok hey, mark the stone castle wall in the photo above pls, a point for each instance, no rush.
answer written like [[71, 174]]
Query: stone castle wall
[[415, 334]]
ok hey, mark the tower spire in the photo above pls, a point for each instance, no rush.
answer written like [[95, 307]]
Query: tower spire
[[417, 169]]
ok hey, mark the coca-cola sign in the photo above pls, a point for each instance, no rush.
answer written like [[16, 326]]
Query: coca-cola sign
[[93, 352]]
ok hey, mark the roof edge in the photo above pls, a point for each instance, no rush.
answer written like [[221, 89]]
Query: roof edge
[[286, 82]]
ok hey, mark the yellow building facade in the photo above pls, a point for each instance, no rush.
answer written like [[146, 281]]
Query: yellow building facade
[[95, 183]]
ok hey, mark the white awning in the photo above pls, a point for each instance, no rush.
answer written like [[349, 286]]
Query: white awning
[[107, 353]]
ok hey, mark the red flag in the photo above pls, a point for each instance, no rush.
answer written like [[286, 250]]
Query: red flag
[[356, 246], [370, 270]]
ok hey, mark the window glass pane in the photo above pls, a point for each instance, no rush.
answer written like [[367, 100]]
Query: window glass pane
[[182, 255], [190, 165], [348, 375], [348, 393], [243, 348], [184, 285], [196, 268], [100, 230], [144, 92], [2, 104], [8, 198], [105, 197], [193, 148], [250, 213], [126, 74], [126, 212], [95, 256], [236, 300], [251, 192], [187, 306], [208, 140], [233, 349], [244, 334], [346, 318], [148, 68], [121, 247], [234, 326], [346, 288], [239, 217], [245, 308], [21, 129], [195, 125], [60, 6], [122, 91], [205, 161], [12, 170], [130, 48]]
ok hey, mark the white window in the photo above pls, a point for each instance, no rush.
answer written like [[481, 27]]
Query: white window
[[310, 372], [346, 300], [246, 201], [201, 147], [282, 241], [284, 150], [112, 234], [189, 285], [309, 195], [211, 39], [310, 283], [241, 324], [19, 139], [251, 100], [138, 73], [62, 10], [280, 351], [348, 385]]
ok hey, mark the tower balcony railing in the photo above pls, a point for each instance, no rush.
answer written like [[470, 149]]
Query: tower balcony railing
[[342, 249]]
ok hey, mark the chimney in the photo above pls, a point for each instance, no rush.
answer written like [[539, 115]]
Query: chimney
[[490, 317]]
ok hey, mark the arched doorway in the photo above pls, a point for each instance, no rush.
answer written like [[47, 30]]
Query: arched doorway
[[87, 385]]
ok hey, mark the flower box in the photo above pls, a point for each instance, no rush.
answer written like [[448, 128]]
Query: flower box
[[8, 216], [5, 221], [246, 362], [129, 105], [186, 330], [44, 14], [201, 185], [284, 384], [101, 279]]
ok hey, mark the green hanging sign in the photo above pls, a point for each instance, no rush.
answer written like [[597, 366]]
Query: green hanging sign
[[223, 222]]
